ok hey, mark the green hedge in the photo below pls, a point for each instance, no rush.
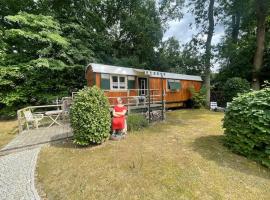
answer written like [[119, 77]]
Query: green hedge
[[90, 117], [247, 125], [36, 85], [136, 122]]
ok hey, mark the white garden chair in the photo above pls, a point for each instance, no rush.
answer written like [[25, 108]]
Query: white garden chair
[[213, 105], [31, 118]]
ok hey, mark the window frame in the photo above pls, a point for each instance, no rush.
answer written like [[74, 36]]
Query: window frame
[[174, 81], [118, 82], [103, 77]]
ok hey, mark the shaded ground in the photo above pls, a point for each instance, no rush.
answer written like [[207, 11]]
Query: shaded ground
[[8, 130], [182, 158]]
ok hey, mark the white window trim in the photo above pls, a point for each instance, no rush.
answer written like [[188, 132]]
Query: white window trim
[[131, 78], [144, 91], [118, 77], [105, 76]]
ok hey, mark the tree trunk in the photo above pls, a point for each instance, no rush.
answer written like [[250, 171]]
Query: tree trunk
[[208, 53], [235, 26], [261, 10]]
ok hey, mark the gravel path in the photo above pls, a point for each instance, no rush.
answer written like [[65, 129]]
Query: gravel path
[[18, 161], [17, 175]]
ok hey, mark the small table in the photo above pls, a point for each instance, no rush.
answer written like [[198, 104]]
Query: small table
[[54, 115]]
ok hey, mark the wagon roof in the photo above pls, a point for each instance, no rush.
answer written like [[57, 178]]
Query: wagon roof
[[110, 69]]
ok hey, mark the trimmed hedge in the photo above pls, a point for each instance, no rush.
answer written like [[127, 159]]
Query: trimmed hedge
[[90, 117], [247, 125], [136, 122]]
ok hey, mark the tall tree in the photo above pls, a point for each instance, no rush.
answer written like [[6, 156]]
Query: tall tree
[[34, 69], [31, 38], [204, 16], [208, 53], [236, 11], [185, 59], [262, 7], [236, 49]]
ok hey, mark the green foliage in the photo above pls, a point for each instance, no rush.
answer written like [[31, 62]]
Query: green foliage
[[246, 124], [42, 55], [34, 63], [30, 37], [136, 122], [90, 117], [36, 84], [236, 50], [197, 98], [234, 86], [178, 59]]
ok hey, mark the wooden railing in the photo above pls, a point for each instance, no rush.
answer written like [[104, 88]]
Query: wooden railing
[[133, 98], [34, 110], [153, 99]]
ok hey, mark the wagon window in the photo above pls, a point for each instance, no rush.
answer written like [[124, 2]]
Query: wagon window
[[173, 85], [122, 82], [119, 82], [105, 81], [115, 82], [131, 82]]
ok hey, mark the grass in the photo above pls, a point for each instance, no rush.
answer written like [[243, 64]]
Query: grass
[[8, 130], [182, 158]]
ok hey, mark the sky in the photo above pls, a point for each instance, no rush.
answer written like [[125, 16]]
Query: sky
[[182, 31]]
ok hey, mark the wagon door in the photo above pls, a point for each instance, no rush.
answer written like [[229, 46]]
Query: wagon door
[[143, 86]]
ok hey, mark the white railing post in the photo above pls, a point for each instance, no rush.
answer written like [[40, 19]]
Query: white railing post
[[128, 93], [19, 121]]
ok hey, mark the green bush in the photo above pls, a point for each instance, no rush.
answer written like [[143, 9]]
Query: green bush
[[90, 117], [136, 122], [247, 125], [234, 86], [198, 98]]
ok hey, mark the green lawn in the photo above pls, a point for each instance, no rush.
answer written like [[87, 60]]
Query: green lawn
[[8, 130], [182, 158]]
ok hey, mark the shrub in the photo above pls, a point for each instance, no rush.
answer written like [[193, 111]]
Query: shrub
[[234, 86], [90, 117], [247, 125], [136, 122], [198, 98]]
